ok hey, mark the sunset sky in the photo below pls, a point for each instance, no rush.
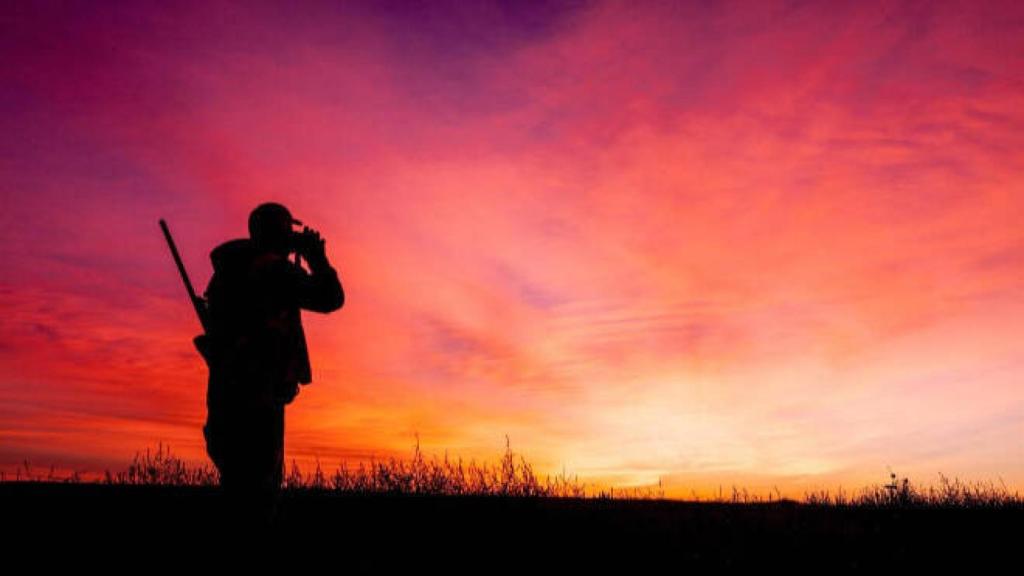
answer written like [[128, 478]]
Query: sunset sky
[[776, 245]]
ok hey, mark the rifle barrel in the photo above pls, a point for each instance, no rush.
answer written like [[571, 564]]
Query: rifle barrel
[[196, 301]]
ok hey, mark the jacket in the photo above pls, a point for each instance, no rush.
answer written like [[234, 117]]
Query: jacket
[[255, 325]]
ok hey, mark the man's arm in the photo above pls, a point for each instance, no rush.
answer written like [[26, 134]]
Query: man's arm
[[320, 291]]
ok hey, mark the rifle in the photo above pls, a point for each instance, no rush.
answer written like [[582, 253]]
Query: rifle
[[202, 341]]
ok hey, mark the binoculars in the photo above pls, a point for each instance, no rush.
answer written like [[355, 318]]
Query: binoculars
[[304, 242]]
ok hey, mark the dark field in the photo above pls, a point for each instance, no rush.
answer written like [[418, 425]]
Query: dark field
[[104, 522]]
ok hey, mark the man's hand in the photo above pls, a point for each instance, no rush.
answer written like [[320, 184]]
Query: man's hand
[[315, 250], [320, 290]]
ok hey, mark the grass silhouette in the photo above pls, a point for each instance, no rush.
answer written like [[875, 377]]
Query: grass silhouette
[[903, 494], [512, 477], [162, 502], [509, 477]]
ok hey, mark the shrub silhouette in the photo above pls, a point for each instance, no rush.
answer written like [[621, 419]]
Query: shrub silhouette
[[418, 476], [162, 468], [901, 493]]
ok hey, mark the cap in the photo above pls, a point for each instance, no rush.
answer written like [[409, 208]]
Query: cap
[[267, 218]]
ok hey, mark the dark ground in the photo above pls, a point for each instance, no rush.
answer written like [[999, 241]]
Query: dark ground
[[102, 522]]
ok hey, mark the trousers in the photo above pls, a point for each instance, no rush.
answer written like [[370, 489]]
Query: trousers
[[246, 444]]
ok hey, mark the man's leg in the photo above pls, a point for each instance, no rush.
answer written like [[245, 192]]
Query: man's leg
[[265, 467], [219, 449], [275, 475], [234, 449], [247, 446]]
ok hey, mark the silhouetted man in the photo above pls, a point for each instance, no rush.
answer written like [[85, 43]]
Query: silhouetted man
[[259, 354]]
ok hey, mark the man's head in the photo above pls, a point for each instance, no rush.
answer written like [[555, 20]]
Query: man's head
[[270, 227]]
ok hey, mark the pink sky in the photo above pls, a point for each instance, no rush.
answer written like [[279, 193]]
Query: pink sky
[[773, 246]]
